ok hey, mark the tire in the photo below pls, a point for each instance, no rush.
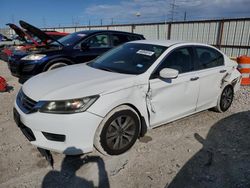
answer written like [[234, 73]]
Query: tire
[[226, 99], [55, 65], [118, 131]]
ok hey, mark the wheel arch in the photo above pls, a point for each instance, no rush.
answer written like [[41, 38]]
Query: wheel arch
[[53, 61], [143, 125]]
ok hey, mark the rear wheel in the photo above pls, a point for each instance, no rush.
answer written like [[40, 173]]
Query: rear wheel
[[118, 132], [226, 99]]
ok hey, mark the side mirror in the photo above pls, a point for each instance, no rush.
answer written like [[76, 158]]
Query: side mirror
[[84, 46], [168, 73]]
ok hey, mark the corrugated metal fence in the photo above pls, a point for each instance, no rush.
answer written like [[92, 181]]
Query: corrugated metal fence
[[232, 36]]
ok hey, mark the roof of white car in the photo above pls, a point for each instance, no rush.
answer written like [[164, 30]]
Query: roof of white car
[[166, 43]]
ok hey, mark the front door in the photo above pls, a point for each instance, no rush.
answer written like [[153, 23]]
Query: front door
[[98, 44], [173, 98]]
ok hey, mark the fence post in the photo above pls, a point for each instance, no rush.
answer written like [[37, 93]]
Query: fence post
[[132, 28], [158, 31], [220, 34], [169, 31]]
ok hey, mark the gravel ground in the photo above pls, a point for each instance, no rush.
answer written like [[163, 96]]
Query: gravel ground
[[207, 149]]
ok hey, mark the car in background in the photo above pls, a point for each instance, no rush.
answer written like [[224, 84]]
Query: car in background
[[74, 48], [30, 41], [111, 101], [4, 40]]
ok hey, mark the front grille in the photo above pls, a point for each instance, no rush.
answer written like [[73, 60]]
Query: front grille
[[13, 67], [25, 103], [28, 68]]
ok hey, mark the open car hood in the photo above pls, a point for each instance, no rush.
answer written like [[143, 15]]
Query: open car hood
[[18, 31], [37, 32]]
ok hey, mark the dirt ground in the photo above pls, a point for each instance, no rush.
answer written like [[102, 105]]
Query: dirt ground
[[207, 149]]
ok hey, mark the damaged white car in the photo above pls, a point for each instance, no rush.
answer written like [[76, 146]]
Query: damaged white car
[[110, 102]]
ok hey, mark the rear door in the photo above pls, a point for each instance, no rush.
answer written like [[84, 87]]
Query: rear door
[[174, 98], [98, 44], [211, 71]]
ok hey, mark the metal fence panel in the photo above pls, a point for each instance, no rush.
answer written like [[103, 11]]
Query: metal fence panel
[[69, 30], [163, 32], [246, 34], [174, 32], [231, 35], [121, 28], [238, 33], [59, 29], [149, 31], [98, 28]]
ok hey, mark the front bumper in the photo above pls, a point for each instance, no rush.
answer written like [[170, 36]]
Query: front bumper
[[21, 69], [79, 130], [4, 56]]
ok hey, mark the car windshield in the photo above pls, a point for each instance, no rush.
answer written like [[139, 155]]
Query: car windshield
[[71, 39], [130, 58]]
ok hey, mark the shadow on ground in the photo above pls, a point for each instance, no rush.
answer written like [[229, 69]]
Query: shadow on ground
[[67, 176], [224, 160]]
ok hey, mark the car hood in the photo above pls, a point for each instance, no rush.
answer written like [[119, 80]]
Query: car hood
[[37, 32], [75, 81], [18, 31]]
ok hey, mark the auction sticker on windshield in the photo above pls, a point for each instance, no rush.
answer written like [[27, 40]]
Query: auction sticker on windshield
[[145, 52]]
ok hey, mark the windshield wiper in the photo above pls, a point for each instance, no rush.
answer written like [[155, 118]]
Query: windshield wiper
[[105, 68]]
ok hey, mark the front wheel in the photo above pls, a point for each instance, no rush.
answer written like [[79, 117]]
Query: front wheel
[[56, 65], [118, 133]]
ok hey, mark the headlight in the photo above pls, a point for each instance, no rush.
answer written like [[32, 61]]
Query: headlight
[[34, 57], [16, 47], [68, 106]]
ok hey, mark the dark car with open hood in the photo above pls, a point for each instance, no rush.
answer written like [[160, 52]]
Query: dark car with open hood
[[74, 48], [30, 41]]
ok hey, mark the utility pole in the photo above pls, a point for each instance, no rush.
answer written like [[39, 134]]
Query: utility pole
[[185, 16], [112, 21], [89, 24], [101, 22], [173, 6]]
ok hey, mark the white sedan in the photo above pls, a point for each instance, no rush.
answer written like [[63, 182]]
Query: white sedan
[[110, 102]]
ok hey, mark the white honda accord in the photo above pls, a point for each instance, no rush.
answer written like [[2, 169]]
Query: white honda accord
[[111, 101]]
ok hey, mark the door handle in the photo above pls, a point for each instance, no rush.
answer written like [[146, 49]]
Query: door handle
[[222, 71], [194, 78]]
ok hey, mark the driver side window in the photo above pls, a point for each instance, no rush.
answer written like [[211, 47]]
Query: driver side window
[[98, 41], [180, 59]]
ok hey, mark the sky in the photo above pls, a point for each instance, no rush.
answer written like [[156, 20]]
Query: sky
[[54, 13]]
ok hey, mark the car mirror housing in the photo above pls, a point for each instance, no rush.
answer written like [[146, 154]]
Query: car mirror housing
[[168, 73]]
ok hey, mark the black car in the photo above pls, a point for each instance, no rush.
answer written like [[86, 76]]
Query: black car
[[75, 48]]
